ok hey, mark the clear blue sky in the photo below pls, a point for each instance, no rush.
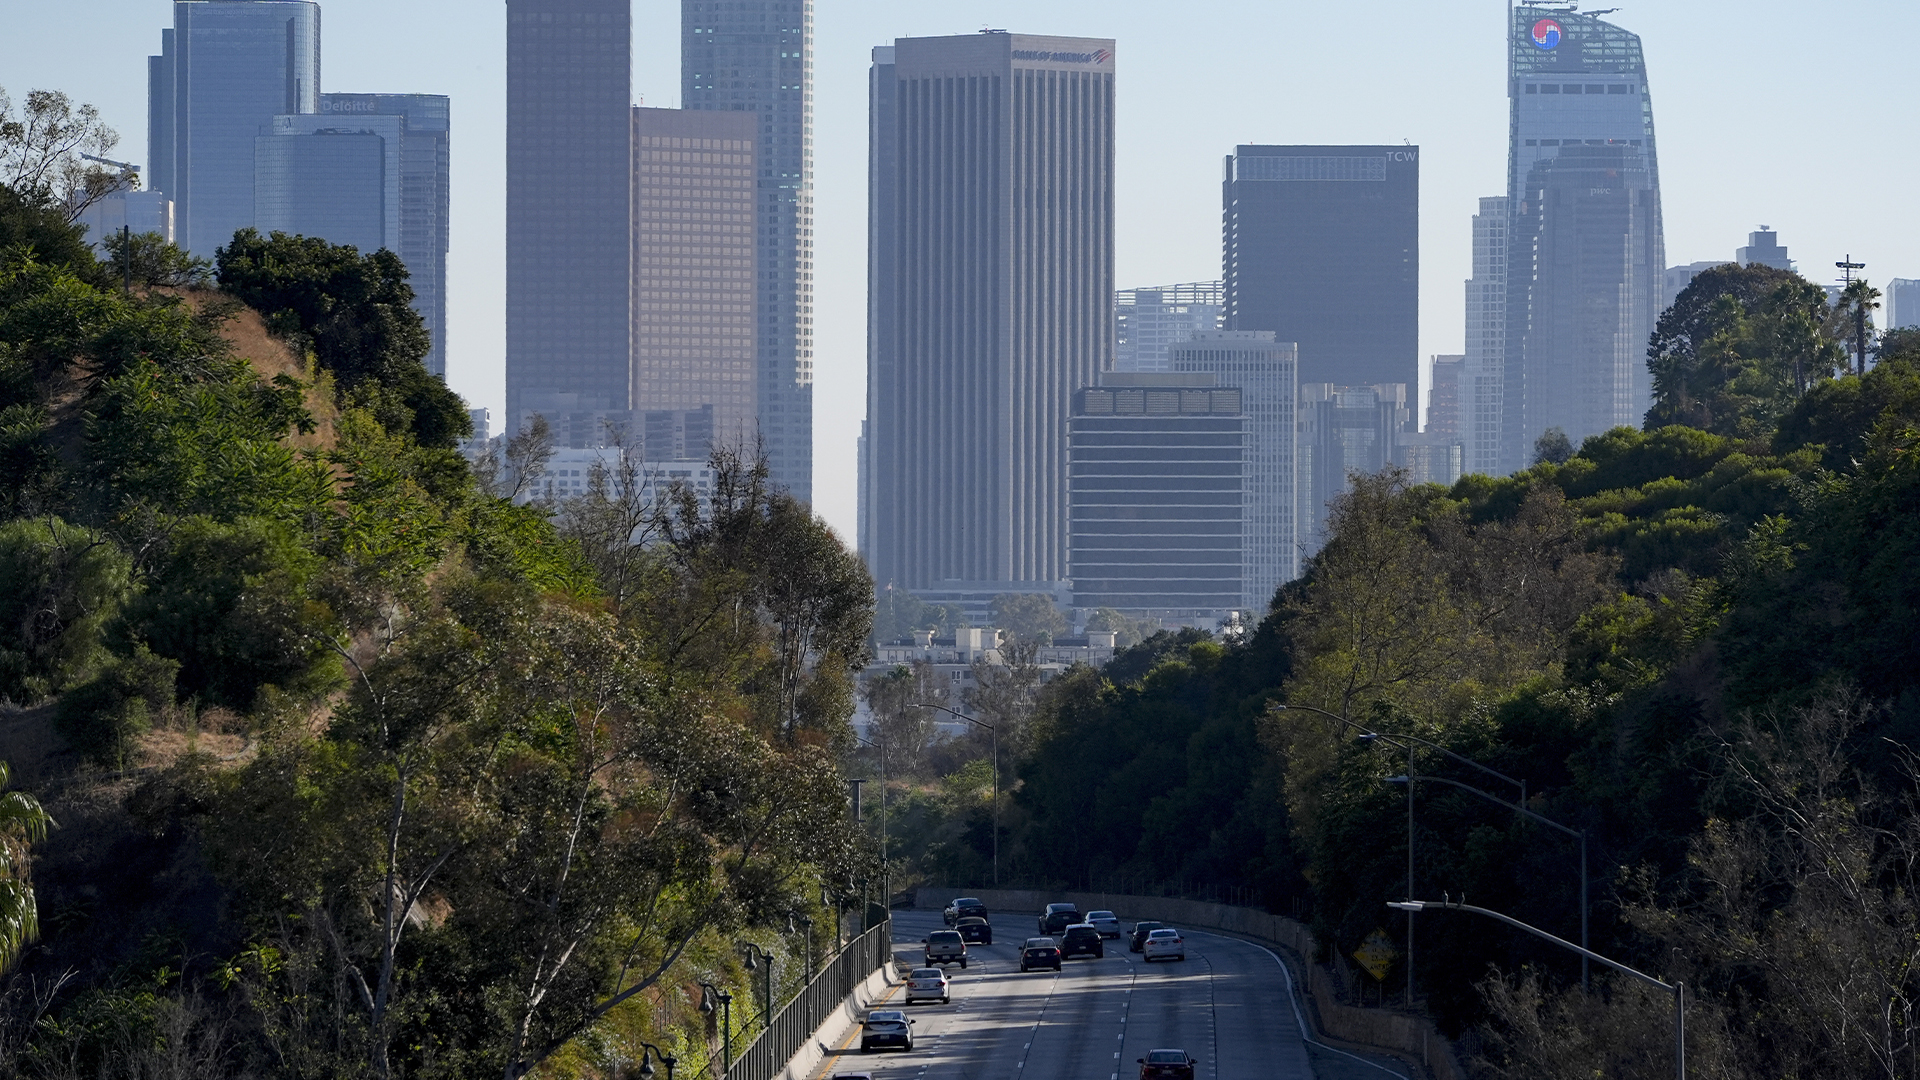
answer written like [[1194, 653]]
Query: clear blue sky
[[1775, 112]]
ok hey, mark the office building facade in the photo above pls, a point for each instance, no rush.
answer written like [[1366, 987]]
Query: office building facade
[[1903, 303], [694, 267], [317, 176], [1266, 373], [1344, 430], [135, 211], [420, 226], [1764, 249], [1155, 496], [569, 208], [1148, 323], [992, 225], [1587, 260], [756, 57], [225, 70], [1322, 247], [1483, 390]]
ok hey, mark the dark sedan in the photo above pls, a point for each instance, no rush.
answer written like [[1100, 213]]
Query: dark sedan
[[1138, 939], [1040, 952], [1167, 1065], [975, 931], [1082, 940]]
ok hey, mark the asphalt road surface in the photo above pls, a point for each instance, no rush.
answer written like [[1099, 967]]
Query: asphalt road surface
[[1227, 1004]]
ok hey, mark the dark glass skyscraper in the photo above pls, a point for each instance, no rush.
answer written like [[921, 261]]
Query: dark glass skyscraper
[[1322, 247], [991, 248], [756, 57], [569, 207], [225, 70], [1586, 260]]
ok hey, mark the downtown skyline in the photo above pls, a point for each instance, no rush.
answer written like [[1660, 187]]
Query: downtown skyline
[[1442, 90]]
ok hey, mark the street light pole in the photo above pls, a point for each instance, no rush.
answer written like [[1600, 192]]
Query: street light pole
[[648, 1053], [996, 779], [1578, 834], [766, 1014], [726, 1024], [1677, 989]]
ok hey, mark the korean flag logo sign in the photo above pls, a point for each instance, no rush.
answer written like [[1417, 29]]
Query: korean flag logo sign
[[1546, 34]]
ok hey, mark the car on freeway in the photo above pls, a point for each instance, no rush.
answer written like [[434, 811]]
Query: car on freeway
[[1139, 935], [929, 984], [945, 947], [1167, 1065], [851, 1076], [964, 907], [886, 1028], [1040, 952], [974, 931], [1082, 940], [1165, 944], [1058, 917], [1104, 921]]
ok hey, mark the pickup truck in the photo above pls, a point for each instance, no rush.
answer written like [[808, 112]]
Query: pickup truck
[[945, 947]]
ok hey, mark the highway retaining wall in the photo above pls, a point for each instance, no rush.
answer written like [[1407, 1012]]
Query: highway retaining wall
[[1402, 1033]]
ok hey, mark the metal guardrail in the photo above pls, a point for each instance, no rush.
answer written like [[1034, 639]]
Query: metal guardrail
[[795, 1023]]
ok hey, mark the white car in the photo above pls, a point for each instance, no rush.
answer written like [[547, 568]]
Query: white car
[[928, 984], [1165, 944], [1106, 922]]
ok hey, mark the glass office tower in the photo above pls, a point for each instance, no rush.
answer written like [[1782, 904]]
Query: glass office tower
[[756, 57], [991, 233], [1148, 323], [1322, 247], [1586, 261], [569, 212], [225, 70], [694, 259]]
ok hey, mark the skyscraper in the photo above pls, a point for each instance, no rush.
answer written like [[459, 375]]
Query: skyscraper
[[1764, 249], [1148, 323], [1322, 247], [569, 207], [1903, 303], [1586, 261], [694, 265], [1155, 495], [426, 192], [1343, 430], [756, 57], [992, 228], [1483, 379], [1265, 370], [225, 70]]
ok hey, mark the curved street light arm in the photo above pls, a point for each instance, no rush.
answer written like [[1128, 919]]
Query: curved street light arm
[[1490, 797], [1425, 905], [1401, 741]]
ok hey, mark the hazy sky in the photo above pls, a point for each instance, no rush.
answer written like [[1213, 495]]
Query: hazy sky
[[1775, 112]]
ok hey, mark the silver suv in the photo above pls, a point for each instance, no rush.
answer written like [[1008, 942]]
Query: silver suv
[[945, 947]]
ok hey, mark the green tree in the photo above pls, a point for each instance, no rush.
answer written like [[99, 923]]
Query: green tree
[[154, 261], [22, 824], [61, 586], [1028, 616], [1737, 348], [355, 313], [1851, 320], [1552, 447], [41, 150]]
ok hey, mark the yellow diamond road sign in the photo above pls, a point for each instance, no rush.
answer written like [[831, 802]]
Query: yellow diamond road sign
[[1377, 955]]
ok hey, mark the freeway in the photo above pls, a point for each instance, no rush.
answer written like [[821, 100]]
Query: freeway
[[1228, 1004]]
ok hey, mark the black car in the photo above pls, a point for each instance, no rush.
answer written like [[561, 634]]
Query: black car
[[1058, 917], [975, 930], [1040, 952], [1138, 939], [1167, 1065], [964, 908], [1082, 940]]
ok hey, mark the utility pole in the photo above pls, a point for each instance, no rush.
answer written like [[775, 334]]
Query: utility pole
[[1847, 268]]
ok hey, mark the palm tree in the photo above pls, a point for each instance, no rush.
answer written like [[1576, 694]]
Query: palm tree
[[1851, 311], [22, 822]]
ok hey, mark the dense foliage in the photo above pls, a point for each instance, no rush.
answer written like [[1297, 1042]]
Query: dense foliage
[[1698, 642], [360, 768]]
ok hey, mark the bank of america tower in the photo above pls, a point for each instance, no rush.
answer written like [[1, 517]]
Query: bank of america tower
[[1584, 257], [756, 57]]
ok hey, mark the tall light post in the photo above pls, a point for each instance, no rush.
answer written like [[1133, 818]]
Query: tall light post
[[996, 779], [1678, 990], [883, 805], [754, 950], [1578, 834], [805, 922], [709, 994]]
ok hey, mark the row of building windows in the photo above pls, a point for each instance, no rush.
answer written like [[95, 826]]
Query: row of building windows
[[1581, 142], [1581, 88]]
